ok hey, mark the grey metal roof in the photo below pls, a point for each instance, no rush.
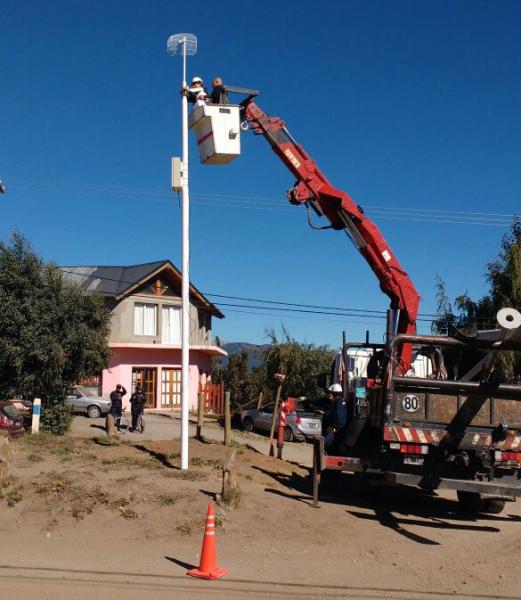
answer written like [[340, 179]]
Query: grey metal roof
[[116, 281], [111, 281]]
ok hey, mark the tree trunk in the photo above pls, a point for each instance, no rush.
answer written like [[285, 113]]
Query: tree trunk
[[229, 474], [110, 425]]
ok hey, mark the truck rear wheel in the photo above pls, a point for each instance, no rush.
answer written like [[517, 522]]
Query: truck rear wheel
[[493, 505], [472, 502]]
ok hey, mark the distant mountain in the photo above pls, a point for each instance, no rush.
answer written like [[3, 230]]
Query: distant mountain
[[255, 352]]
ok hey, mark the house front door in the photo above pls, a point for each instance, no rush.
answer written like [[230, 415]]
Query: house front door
[[147, 377], [170, 388]]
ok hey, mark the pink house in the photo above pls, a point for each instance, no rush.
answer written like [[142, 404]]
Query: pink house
[[145, 337]]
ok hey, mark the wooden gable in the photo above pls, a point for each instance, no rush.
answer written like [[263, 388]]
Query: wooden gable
[[161, 287]]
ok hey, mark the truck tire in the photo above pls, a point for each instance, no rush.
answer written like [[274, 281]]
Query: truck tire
[[470, 502], [493, 506]]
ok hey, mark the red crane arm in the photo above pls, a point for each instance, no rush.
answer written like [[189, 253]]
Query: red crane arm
[[313, 188]]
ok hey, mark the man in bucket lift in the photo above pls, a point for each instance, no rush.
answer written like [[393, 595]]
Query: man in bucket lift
[[335, 417], [196, 93], [218, 95]]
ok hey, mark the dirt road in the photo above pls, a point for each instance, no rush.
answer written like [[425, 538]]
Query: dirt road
[[81, 519]]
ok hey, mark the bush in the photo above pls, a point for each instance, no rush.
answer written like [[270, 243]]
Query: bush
[[52, 332], [56, 416]]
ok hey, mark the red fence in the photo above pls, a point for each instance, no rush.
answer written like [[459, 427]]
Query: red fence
[[213, 397]]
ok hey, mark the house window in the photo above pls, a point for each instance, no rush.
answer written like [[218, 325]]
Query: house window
[[171, 325], [145, 319]]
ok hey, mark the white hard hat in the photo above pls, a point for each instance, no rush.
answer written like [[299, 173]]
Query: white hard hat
[[336, 387], [197, 79]]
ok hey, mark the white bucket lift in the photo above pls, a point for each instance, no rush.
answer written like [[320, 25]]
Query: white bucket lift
[[218, 132]]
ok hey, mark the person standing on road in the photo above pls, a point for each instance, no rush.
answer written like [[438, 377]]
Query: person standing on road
[[137, 404], [116, 407], [335, 418]]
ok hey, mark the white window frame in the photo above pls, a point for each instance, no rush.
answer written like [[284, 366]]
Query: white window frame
[[168, 310], [145, 319]]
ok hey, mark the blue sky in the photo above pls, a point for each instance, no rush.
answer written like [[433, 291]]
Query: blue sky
[[404, 105]]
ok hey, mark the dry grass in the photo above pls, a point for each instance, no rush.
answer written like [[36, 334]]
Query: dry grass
[[105, 441], [35, 458], [231, 498], [167, 499], [103, 473], [129, 462], [198, 461], [186, 528], [197, 525], [10, 491], [186, 475], [77, 501]]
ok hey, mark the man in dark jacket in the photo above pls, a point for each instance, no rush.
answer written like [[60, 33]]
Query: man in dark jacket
[[116, 407], [335, 418], [218, 95], [137, 404]]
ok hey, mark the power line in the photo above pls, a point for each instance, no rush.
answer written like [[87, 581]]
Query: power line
[[260, 203], [292, 316], [278, 302], [324, 309], [277, 305]]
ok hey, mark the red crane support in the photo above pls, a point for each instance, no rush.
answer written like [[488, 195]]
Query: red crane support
[[313, 188]]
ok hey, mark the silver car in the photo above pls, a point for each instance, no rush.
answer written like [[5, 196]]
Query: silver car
[[302, 423], [84, 401]]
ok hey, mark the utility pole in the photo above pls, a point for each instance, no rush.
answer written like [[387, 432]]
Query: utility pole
[[185, 44]]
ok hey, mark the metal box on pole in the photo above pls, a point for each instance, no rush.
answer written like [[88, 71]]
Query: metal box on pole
[[177, 184]]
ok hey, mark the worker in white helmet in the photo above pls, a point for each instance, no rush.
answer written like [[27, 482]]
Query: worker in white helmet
[[196, 93], [335, 417]]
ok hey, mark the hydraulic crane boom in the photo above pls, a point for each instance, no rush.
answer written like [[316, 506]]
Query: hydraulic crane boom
[[313, 189]]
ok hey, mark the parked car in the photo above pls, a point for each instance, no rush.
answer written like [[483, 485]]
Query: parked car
[[11, 420], [301, 424], [86, 402]]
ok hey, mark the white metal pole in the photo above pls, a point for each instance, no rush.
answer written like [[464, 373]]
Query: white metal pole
[[37, 408], [185, 327]]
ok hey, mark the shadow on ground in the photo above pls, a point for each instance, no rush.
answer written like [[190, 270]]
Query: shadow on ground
[[393, 507], [159, 456]]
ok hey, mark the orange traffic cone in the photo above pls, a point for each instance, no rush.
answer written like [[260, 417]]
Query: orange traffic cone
[[208, 568]]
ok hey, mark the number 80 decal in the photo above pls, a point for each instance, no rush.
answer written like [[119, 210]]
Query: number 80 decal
[[410, 403]]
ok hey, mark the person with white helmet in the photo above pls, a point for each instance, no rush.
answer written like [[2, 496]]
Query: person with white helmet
[[335, 418], [196, 93]]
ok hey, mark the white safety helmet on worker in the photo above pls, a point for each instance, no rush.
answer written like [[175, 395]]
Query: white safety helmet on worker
[[197, 80], [336, 388]]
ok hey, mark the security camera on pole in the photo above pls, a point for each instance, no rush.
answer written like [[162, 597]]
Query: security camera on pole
[[186, 45]]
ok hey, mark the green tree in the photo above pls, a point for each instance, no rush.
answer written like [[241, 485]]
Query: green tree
[[52, 332], [243, 384], [504, 278], [301, 363]]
